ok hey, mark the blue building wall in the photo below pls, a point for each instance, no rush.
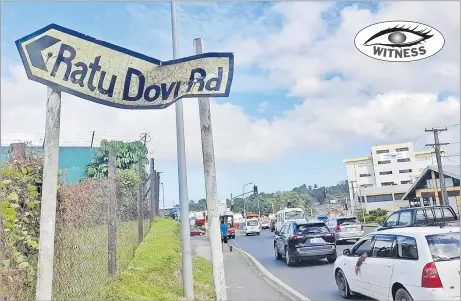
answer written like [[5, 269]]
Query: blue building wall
[[72, 160]]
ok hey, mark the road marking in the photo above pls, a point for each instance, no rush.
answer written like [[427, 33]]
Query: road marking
[[274, 278]]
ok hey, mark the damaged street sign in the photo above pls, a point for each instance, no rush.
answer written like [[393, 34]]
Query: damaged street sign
[[101, 72]]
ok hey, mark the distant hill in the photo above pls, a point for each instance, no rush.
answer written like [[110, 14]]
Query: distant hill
[[303, 196]]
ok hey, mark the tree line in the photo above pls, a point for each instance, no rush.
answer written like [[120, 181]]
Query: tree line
[[304, 196]]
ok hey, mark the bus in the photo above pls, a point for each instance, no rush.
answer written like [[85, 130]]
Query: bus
[[287, 214]]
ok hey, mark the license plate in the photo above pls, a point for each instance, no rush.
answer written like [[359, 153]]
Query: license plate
[[316, 240], [350, 229]]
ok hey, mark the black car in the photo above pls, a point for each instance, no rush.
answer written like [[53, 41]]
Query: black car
[[302, 240], [420, 216]]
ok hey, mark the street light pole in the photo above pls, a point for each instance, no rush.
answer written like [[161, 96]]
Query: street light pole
[[243, 196], [187, 273]]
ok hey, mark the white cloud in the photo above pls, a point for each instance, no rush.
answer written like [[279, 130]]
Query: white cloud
[[334, 115], [262, 107]]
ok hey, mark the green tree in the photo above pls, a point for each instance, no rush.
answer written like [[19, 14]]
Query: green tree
[[128, 155]]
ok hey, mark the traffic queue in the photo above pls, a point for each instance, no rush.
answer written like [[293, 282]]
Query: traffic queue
[[413, 255]]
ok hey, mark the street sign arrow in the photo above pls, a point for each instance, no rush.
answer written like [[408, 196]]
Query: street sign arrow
[[102, 72], [34, 50]]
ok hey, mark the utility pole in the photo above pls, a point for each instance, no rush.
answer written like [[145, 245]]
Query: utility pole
[[140, 201], [186, 248], [243, 197], [152, 179], [112, 218], [436, 146], [49, 197], [163, 197], [209, 167], [92, 139]]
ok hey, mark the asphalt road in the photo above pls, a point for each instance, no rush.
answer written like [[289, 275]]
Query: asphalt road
[[314, 279]]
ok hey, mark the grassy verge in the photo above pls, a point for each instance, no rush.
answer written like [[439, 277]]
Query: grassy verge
[[155, 271], [81, 260]]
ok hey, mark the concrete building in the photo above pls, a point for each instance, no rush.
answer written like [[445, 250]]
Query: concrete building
[[426, 189], [387, 173], [72, 160]]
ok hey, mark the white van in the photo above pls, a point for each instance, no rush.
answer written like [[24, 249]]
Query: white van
[[252, 226], [287, 214]]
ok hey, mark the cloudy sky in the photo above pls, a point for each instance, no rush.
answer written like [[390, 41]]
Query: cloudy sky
[[303, 97]]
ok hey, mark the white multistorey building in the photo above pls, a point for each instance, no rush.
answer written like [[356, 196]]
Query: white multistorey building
[[381, 179]]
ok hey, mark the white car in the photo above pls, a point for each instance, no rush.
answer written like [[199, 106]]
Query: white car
[[417, 263], [252, 227]]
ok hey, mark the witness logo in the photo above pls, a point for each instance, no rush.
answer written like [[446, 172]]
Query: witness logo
[[399, 41]]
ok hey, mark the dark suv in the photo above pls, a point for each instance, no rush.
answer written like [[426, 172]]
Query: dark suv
[[420, 216], [303, 240]]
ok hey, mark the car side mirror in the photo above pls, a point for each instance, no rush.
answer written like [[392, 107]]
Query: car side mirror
[[346, 252], [381, 223]]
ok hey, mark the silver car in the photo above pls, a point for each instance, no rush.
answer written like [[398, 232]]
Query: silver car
[[346, 228]]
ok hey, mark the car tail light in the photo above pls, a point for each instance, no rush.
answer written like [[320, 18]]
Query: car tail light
[[361, 227], [338, 228], [296, 236], [430, 277]]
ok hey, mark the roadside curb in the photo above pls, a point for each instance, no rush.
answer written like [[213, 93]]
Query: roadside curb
[[285, 289]]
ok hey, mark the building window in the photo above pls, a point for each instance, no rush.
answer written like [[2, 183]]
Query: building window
[[382, 151], [405, 170], [384, 162], [366, 185], [402, 149], [405, 182], [387, 183], [403, 160], [379, 198], [389, 172], [398, 196], [423, 158], [365, 175]]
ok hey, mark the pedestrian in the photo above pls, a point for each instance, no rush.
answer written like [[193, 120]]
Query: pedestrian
[[224, 239]]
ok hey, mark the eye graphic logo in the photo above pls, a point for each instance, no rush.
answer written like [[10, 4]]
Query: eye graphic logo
[[399, 41]]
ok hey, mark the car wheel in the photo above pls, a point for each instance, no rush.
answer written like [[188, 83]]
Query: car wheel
[[277, 253], [331, 258], [288, 259], [343, 286], [402, 295]]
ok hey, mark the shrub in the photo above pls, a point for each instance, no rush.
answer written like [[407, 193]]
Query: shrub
[[20, 217]]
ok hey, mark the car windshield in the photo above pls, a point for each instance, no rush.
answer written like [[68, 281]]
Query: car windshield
[[293, 215], [348, 221], [444, 246], [312, 228], [252, 223]]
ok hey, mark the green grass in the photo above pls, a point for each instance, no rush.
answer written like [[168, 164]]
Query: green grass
[[155, 271], [80, 268]]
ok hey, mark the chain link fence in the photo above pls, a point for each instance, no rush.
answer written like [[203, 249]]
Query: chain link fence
[[81, 262]]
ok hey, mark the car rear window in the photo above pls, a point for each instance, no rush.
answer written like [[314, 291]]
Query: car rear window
[[444, 246], [294, 215], [312, 228], [252, 223], [348, 221]]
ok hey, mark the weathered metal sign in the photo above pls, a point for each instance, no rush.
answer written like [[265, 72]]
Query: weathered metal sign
[[101, 72]]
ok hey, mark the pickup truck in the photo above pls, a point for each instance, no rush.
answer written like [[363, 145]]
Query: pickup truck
[[421, 216]]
